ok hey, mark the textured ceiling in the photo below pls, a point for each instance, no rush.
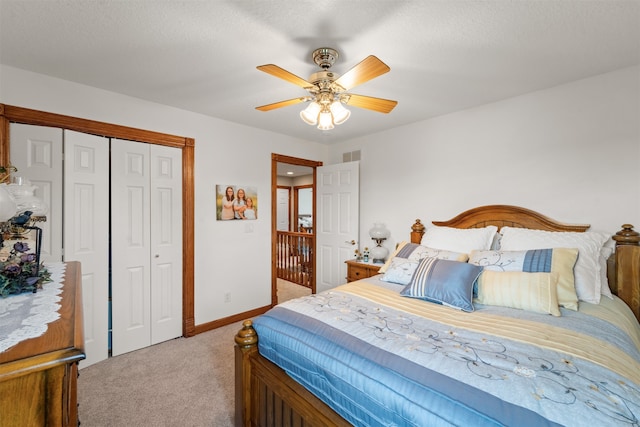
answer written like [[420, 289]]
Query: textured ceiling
[[201, 56]]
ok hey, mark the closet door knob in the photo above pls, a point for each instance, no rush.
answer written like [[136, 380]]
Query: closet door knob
[[156, 256]]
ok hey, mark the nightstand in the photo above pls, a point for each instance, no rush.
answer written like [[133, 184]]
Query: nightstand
[[357, 270]]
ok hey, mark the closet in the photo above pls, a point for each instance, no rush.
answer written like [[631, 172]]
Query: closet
[[118, 204]]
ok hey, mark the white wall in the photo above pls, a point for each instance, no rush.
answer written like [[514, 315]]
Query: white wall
[[223, 248], [571, 152]]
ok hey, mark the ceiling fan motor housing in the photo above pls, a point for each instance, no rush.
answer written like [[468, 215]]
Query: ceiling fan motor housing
[[325, 57]]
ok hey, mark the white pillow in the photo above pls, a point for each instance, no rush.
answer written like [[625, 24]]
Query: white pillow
[[462, 240], [607, 250], [588, 277]]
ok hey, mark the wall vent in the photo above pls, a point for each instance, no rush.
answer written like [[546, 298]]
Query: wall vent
[[351, 156]]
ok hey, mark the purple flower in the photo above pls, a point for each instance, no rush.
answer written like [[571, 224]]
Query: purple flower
[[21, 247], [12, 269], [28, 258]]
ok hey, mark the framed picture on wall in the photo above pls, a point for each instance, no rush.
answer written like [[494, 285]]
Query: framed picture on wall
[[236, 202]]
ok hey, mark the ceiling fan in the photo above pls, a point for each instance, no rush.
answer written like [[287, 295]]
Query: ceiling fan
[[328, 90]]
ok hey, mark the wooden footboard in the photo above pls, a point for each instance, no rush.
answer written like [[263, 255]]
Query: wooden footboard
[[267, 397]]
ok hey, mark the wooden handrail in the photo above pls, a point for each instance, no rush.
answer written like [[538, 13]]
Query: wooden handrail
[[294, 257]]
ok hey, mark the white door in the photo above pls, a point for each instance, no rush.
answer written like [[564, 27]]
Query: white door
[[37, 153], [86, 233], [146, 241], [282, 200], [166, 243], [130, 246], [337, 198]]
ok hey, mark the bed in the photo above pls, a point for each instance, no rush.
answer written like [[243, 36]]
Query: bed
[[538, 325]]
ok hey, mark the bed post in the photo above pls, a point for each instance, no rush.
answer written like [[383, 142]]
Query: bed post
[[417, 231], [246, 344], [627, 269]]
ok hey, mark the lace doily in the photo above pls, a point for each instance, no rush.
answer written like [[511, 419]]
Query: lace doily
[[27, 315]]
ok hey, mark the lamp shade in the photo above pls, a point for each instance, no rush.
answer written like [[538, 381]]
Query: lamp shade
[[379, 231], [310, 114], [340, 114], [325, 121]]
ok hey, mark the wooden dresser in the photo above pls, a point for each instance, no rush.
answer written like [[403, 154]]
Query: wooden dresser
[[38, 376], [357, 270]]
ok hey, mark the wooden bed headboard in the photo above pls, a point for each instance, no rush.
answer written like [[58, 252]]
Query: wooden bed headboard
[[623, 268]]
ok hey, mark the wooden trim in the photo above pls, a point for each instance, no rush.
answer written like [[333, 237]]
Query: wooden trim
[[275, 159], [42, 118], [209, 326], [289, 209], [296, 203], [279, 158], [188, 238], [12, 114]]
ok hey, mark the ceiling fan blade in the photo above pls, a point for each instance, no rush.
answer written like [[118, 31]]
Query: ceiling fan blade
[[283, 74], [370, 103], [281, 104], [369, 68]]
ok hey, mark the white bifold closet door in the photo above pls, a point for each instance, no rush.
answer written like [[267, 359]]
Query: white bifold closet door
[[146, 244], [86, 233], [37, 153]]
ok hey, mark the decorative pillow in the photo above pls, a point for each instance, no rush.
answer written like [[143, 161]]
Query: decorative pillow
[[415, 252], [444, 282], [559, 260], [607, 250], [462, 240], [400, 271], [399, 247], [527, 291], [587, 271]]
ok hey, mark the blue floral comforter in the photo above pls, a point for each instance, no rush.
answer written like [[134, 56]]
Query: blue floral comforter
[[379, 359]]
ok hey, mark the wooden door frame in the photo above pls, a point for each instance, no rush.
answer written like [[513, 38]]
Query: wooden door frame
[[12, 114], [275, 159], [289, 202], [296, 201]]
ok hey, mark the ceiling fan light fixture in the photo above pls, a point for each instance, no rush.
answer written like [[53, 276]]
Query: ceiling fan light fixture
[[310, 114], [325, 120], [328, 91], [340, 114]]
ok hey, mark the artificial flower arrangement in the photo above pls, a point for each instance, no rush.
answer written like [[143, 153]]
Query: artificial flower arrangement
[[20, 271]]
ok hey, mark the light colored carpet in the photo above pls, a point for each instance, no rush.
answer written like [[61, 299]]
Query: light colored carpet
[[182, 382], [289, 290]]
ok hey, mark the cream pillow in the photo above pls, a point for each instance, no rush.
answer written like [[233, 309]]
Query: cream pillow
[[535, 292], [558, 260], [462, 240], [588, 268]]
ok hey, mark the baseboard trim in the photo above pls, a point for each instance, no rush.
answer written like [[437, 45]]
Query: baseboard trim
[[204, 327]]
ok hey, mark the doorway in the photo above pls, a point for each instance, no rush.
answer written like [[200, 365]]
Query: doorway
[[293, 245]]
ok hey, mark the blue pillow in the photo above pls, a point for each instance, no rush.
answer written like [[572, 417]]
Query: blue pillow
[[444, 282]]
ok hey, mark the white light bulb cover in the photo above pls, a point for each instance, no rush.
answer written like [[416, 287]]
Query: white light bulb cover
[[310, 114], [340, 114], [325, 121]]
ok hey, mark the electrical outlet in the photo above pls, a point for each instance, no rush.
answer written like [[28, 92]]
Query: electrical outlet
[[227, 297]]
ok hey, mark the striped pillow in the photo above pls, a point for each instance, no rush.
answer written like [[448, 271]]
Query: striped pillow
[[415, 252], [444, 282], [559, 260], [527, 291]]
